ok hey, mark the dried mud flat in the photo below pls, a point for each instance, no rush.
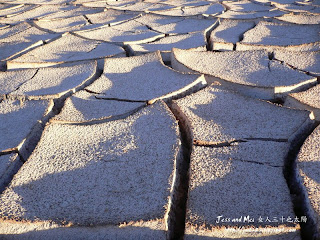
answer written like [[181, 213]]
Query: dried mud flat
[[159, 119]]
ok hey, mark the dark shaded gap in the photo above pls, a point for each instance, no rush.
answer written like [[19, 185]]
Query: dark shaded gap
[[297, 192], [120, 99], [176, 225], [202, 143], [208, 32], [127, 50], [242, 35], [87, 19], [11, 171]]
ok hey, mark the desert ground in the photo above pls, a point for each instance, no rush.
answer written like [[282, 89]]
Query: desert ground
[[159, 119]]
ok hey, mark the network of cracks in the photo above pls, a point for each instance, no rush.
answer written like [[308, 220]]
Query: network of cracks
[[159, 119]]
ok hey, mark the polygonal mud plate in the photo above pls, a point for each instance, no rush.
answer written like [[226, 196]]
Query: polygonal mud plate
[[17, 119], [63, 79], [195, 41], [267, 35], [88, 107], [230, 189], [228, 33], [216, 116], [108, 173], [246, 70], [68, 48], [143, 78]]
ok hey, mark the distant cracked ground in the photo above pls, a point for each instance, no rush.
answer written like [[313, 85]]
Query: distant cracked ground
[[159, 119]]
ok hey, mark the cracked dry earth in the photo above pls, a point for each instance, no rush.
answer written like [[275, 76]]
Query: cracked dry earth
[[159, 119]]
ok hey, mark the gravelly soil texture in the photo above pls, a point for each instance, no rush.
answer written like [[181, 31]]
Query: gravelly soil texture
[[159, 119]]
